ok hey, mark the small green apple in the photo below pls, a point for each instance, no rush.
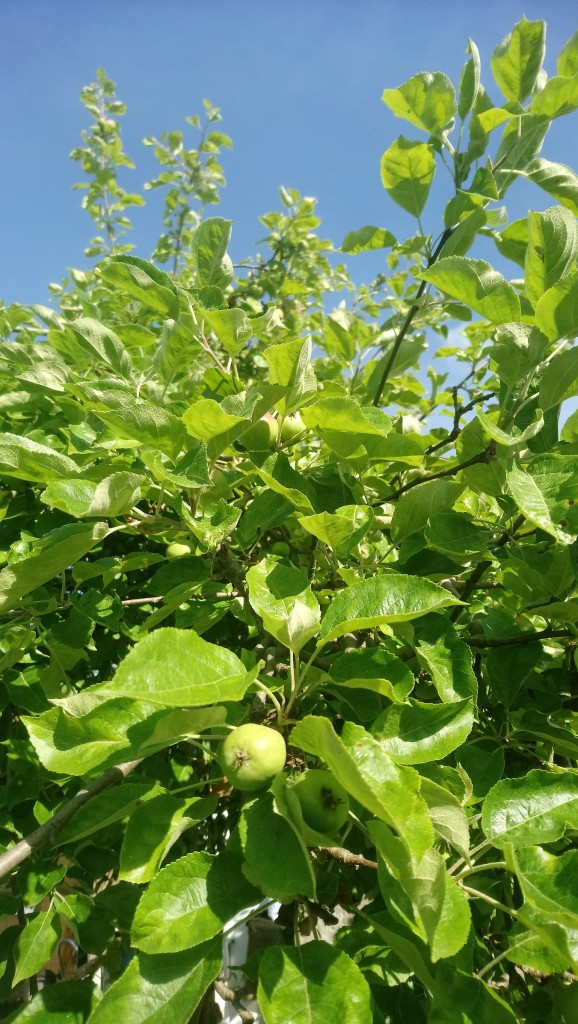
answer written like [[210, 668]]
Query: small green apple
[[324, 802], [291, 428], [261, 435], [280, 547], [251, 756], [176, 550]]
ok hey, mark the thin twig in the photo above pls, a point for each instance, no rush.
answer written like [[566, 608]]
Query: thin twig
[[347, 857], [520, 638], [49, 830], [409, 317], [485, 456], [219, 596]]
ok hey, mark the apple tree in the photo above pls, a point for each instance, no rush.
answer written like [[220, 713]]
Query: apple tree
[[287, 619]]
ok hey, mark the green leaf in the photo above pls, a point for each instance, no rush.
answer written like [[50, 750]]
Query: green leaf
[[341, 530], [115, 495], [351, 431], [390, 792], [190, 901], [207, 420], [175, 667], [439, 904], [290, 367], [153, 829], [456, 535], [557, 309], [25, 459], [478, 285], [232, 327], [469, 81], [70, 1002], [105, 808], [372, 669], [460, 998], [558, 97], [414, 508], [552, 249], [558, 180], [163, 989], [448, 817], [276, 859], [367, 239], [416, 733], [57, 550], [547, 882], [282, 596], [382, 599], [518, 348], [278, 474], [559, 380], [427, 100], [107, 732], [533, 504], [209, 250], [568, 57], [537, 808], [134, 419], [502, 436], [312, 984], [35, 944], [143, 281], [100, 343], [517, 60], [407, 171]]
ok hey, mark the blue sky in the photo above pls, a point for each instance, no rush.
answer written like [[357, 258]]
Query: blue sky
[[299, 83]]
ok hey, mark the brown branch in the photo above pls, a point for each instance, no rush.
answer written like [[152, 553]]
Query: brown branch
[[521, 638], [46, 833], [409, 317], [485, 456], [459, 411], [347, 857], [190, 597], [230, 996], [475, 577]]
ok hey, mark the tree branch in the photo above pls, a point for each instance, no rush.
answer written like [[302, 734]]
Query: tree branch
[[481, 568], [17, 854], [521, 638], [408, 320], [485, 456], [347, 857]]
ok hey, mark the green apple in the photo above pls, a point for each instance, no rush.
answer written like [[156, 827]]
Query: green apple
[[280, 547], [177, 550], [291, 428], [324, 802], [261, 435], [252, 755]]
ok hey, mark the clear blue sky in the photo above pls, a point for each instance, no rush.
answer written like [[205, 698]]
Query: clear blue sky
[[299, 83]]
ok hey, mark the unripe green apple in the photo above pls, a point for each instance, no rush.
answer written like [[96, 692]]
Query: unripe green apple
[[280, 547], [252, 755], [261, 435], [176, 550], [324, 802], [291, 428]]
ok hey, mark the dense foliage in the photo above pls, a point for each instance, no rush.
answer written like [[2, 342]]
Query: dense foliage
[[389, 579]]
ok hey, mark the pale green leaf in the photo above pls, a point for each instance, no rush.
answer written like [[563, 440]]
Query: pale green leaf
[[478, 285], [392, 597], [35, 944], [407, 171], [414, 508], [312, 984], [282, 596], [416, 733], [115, 495], [537, 808], [190, 901], [517, 60], [428, 100], [367, 239], [143, 281]]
